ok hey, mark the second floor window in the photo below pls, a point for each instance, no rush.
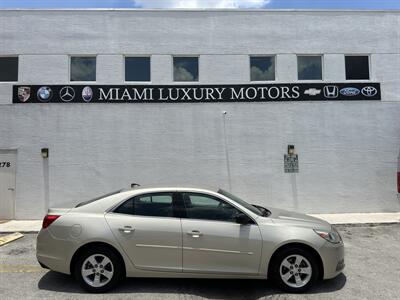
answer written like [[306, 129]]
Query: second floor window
[[9, 68], [309, 67], [262, 68], [186, 68], [137, 68], [357, 67], [83, 68]]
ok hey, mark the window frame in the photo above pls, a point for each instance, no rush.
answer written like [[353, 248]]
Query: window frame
[[18, 68], [274, 56], [174, 205], [185, 216], [322, 68], [369, 67], [69, 68], [186, 56], [124, 56]]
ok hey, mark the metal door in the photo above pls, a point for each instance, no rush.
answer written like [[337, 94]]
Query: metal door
[[8, 159]]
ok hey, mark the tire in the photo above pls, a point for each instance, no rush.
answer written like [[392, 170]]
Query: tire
[[98, 270], [302, 277]]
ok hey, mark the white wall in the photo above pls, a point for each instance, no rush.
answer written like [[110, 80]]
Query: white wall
[[348, 150]]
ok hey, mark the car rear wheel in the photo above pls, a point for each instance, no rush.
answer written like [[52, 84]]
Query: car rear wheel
[[294, 270], [98, 270]]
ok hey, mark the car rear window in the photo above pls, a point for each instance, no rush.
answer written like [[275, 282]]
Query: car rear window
[[98, 198]]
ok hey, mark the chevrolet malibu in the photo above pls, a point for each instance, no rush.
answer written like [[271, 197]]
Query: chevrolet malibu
[[190, 233]]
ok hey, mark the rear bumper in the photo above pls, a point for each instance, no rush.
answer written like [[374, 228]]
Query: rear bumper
[[52, 253], [333, 259]]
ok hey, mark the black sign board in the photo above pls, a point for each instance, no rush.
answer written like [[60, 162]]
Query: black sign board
[[196, 93]]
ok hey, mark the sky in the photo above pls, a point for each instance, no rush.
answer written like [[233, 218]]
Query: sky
[[269, 4]]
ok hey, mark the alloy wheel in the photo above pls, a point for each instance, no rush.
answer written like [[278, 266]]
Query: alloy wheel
[[295, 271], [97, 270]]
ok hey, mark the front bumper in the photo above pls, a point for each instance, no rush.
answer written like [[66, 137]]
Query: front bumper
[[332, 256]]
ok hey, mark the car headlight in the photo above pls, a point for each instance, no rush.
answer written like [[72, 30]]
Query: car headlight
[[332, 236]]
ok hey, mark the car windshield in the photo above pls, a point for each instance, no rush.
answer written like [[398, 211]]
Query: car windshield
[[98, 198], [241, 202]]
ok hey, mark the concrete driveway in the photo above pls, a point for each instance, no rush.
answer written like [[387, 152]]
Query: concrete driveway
[[372, 272]]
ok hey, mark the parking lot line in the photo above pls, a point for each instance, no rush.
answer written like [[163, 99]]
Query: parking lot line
[[10, 237], [21, 269]]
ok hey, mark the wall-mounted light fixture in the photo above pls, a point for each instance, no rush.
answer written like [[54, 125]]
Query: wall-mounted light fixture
[[290, 149], [45, 152]]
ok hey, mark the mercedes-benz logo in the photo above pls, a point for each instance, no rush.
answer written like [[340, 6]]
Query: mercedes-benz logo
[[67, 94], [369, 91]]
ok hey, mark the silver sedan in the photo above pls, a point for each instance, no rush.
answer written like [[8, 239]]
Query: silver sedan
[[187, 232]]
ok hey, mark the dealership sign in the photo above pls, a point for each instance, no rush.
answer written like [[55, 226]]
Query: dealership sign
[[195, 93]]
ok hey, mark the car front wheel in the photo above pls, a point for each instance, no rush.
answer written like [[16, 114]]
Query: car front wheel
[[295, 270], [98, 270]]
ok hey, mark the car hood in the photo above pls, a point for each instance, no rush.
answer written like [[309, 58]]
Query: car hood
[[297, 219]]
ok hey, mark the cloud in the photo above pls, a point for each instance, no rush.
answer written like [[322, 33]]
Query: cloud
[[182, 74], [262, 75], [201, 3]]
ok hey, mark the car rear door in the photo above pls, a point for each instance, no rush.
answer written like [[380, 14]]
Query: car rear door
[[212, 240], [148, 231]]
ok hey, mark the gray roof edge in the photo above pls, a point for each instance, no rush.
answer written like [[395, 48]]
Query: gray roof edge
[[205, 10]]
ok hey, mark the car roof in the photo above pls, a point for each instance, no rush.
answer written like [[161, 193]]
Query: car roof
[[105, 203], [156, 188]]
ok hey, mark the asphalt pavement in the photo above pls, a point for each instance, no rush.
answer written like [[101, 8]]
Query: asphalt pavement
[[372, 272]]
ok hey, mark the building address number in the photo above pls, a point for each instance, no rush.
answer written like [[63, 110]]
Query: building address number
[[5, 164]]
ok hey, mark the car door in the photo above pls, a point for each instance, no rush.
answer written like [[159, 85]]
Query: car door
[[148, 231], [212, 240]]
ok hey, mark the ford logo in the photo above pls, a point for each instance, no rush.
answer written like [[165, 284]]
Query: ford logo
[[349, 91]]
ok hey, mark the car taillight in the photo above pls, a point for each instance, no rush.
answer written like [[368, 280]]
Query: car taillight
[[48, 219]]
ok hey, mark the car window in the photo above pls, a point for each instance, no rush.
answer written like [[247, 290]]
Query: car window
[[156, 205], [241, 202], [201, 206]]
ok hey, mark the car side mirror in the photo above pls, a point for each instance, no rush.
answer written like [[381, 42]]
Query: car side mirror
[[243, 219]]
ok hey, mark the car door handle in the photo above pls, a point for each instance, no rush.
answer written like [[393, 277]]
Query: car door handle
[[11, 189], [194, 233], [127, 229]]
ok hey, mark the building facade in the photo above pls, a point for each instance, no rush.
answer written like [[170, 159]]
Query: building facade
[[322, 85]]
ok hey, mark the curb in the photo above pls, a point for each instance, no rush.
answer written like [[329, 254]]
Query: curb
[[365, 224]]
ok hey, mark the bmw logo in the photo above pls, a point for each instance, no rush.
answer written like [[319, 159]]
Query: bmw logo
[[87, 94], [44, 94]]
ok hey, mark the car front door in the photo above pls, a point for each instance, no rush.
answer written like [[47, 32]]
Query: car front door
[[148, 231], [213, 242]]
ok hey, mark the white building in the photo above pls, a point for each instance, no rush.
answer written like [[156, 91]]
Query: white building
[[347, 150]]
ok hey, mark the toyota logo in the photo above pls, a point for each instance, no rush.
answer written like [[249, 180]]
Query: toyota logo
[[67, 94], [369, 91]]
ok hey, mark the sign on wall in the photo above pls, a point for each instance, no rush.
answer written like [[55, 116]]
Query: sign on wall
[[291, 163], [195, 93]]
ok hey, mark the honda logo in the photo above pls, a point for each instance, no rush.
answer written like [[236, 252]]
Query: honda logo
[[331, 91]]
